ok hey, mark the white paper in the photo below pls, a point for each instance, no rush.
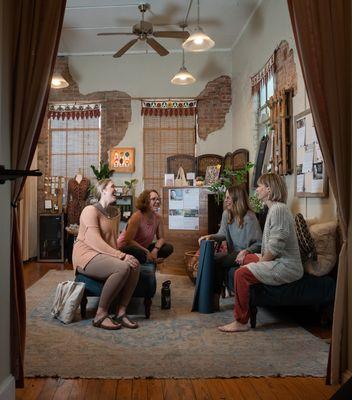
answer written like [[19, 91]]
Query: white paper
[[300, 183], [318, 156], [184, 209], [308, 178], [300, 155], [308, 159], [190, 175], [317, 185], [301, 132]]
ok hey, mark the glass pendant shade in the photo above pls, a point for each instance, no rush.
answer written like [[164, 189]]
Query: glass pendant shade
[[183, 77], [58, 82], [198, 41]]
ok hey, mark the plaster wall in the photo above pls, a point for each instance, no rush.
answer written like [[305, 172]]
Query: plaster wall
[[269, 25]]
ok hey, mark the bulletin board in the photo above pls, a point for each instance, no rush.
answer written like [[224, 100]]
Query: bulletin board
[[122, 159], [310, 174]]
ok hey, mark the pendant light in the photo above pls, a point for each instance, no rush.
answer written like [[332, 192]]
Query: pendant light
[[183, 77], [198, 41], [58, 82]]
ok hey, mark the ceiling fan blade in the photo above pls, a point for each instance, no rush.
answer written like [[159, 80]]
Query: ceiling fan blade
[[114, 33], [125, 48], [157, 47], [172, 34]]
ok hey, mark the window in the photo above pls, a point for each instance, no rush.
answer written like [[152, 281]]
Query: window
[[73, 145], [263, 112]]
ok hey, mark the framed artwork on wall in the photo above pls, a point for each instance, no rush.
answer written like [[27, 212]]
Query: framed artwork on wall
[[310, 175], [122, 159]]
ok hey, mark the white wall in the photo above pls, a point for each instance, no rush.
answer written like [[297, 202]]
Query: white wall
[[6, 380], [269, 25]]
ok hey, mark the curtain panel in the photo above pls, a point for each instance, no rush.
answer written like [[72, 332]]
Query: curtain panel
[[36, 33], [165, 136], [322, 31]]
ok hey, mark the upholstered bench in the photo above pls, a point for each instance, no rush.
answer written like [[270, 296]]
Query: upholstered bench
[[308, 291], [146, 288]]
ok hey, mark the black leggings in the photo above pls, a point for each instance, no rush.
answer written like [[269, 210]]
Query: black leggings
[[165, 251], [222, 263]]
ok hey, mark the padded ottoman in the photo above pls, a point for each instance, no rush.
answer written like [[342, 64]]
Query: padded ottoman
[[146, 287]]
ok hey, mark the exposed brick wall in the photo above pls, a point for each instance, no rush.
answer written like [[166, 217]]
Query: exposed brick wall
[[213, 104], [286, 75], [115, 116]]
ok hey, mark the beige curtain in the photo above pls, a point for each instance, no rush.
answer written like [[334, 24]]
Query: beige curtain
[[28, 216], [322, 30], [36, 35], [164, 136]]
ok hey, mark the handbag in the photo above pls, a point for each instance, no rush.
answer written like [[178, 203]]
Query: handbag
[[181, 178], [68, 297]]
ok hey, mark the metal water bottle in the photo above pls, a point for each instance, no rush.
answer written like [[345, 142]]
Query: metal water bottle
[[166, 295]]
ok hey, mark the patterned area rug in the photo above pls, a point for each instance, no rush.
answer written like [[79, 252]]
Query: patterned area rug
[[174, 343]]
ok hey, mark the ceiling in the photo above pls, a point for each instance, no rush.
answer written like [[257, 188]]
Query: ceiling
[[222, 20]]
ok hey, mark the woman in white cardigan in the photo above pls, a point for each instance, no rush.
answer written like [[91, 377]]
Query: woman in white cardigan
[[280, 260]]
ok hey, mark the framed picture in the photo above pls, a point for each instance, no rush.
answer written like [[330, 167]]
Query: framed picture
[[212, 174], [169, 180], [48, 205], [122, 159]]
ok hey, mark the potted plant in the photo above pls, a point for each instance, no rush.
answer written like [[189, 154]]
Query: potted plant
[[226, 180], [129, 187], [103, 172]]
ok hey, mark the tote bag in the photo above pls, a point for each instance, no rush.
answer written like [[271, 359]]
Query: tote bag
[[68, 297], [181, 178]]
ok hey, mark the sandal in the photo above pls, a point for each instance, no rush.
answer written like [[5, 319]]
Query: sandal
[[125, 321], [99, 324]]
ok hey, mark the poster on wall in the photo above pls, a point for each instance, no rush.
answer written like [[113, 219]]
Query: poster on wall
[[184, 209], [122, 159]]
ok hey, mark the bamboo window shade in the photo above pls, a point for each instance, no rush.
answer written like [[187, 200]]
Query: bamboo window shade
[[164, 136], [73, 145]]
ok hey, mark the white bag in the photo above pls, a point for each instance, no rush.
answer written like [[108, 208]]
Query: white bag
[[68, 297], [180, 179]]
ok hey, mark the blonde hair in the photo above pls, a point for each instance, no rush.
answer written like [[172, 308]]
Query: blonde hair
[[240, 204], [277, 186], [100, 186]]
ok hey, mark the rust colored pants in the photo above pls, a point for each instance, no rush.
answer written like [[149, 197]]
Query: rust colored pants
[[243, 280]]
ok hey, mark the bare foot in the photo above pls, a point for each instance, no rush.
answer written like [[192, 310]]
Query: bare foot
[[234, 326]]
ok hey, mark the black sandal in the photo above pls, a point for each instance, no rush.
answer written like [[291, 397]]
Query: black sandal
[[98, 324], [122, 320]]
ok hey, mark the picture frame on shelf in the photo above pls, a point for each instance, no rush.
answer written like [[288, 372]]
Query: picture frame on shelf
[[212, 174], [169, 180]]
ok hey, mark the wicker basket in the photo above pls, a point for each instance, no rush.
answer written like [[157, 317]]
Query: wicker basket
[[191, 261]]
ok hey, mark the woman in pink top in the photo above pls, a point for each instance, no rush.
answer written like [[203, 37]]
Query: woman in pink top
[[95, 254], [145, 225]]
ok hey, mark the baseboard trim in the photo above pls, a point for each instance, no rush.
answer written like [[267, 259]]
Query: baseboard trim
[[8, 388]]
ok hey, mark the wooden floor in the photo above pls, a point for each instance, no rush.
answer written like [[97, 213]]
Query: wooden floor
[[271, 388]]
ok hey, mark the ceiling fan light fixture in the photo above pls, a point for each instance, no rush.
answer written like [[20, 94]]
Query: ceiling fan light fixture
[[58, 82], [183, 77], [198, 41]]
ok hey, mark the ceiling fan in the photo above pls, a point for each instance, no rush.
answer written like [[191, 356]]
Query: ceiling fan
[[143, 30]]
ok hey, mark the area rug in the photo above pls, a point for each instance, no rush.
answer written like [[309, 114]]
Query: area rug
[[174, 343]]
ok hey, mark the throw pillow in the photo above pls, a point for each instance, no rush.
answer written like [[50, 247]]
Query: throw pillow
[[324, 236], [305, 241]]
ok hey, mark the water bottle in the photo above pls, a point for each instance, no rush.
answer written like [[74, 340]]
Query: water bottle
[[166, 295]]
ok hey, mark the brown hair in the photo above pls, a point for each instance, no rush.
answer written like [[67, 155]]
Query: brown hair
[[100, 186], [277, 186], [240, 205], [143, 200]]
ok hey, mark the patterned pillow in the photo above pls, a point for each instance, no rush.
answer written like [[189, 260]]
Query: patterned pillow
[[305, 241]]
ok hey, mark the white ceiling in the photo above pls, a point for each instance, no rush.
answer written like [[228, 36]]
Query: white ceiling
[[222, 20]]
